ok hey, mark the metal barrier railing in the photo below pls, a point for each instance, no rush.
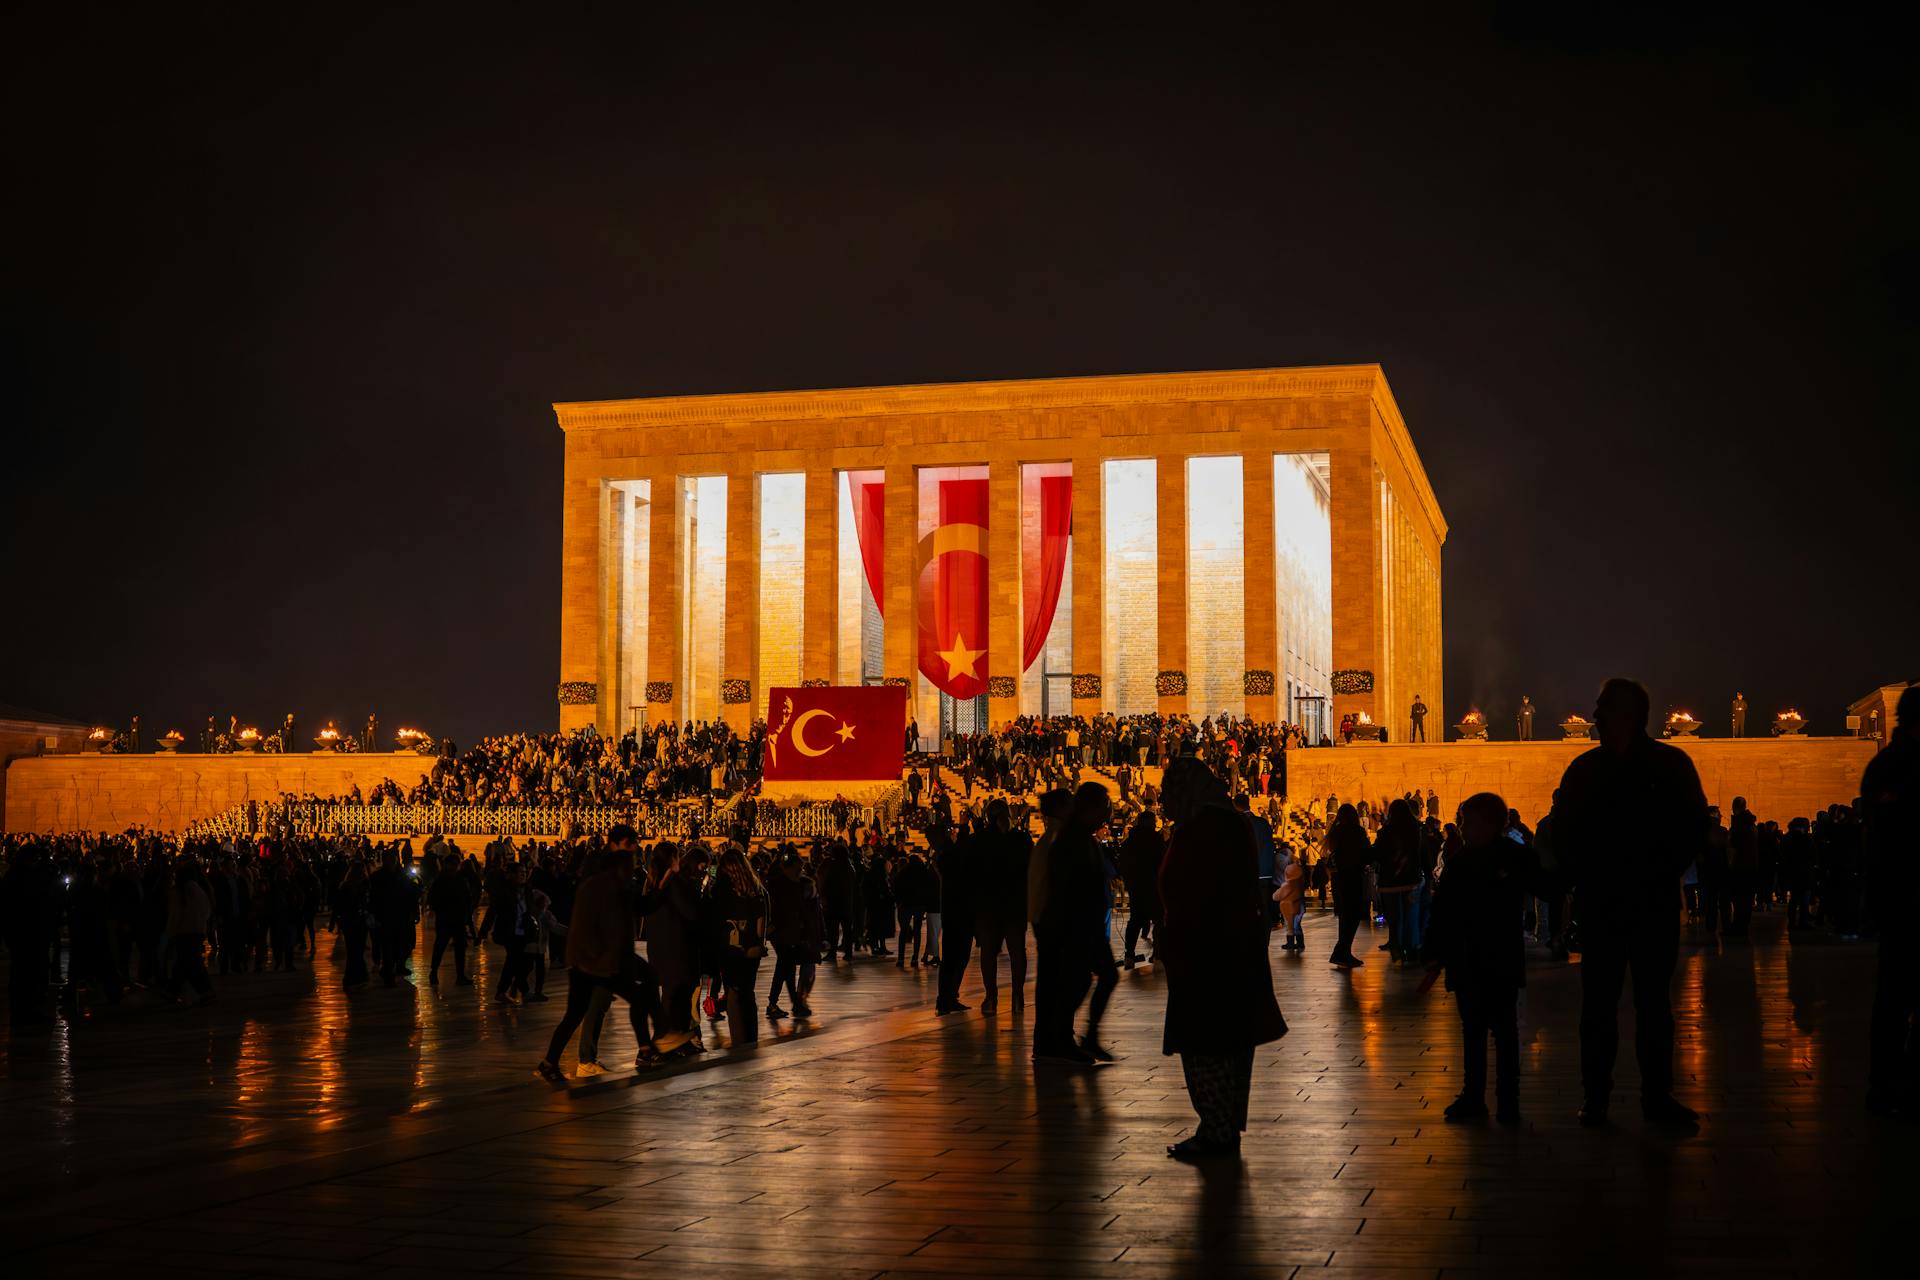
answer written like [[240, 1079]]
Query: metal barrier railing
[[806, 820]]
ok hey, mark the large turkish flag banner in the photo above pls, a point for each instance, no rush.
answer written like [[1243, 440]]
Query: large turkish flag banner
[[835, 734], [953, 591]]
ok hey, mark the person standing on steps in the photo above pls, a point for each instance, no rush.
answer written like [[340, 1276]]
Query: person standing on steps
[[1739, 714], [1220, 1003], [1418, 715], [1631, 817], [1526, 718]]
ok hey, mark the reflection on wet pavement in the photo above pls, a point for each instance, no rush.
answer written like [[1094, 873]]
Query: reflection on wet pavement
[[295, 1129]]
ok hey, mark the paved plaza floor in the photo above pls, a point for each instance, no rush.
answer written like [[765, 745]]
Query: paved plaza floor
[[292, 1130]]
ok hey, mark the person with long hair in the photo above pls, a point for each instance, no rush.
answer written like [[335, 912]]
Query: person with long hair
[[1220, 1002], [1396, 853], [737, 928]]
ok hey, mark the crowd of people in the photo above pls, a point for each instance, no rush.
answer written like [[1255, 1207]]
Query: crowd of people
[[710, 761], [1004, 836]]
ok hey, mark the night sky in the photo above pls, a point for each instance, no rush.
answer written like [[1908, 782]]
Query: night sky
[[288, 297]]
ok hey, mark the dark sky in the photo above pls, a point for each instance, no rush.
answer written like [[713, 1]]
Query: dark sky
[[287, 298]]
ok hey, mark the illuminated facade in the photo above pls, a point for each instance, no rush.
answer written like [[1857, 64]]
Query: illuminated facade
[[1258, 542]]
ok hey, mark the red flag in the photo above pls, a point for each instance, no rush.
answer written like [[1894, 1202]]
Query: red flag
[[953, 591], [835, 734]]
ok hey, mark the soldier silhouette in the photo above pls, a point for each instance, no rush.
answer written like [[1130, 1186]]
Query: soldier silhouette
[[1418, 714], [1739, 715]]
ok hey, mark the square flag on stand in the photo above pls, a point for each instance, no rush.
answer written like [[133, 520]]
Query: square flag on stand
[[835, 733]]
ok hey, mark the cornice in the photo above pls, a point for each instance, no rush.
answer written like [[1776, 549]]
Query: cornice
[[971, 397], [1348, 381]]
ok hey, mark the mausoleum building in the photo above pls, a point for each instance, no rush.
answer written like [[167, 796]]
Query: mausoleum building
[[1258, 541]]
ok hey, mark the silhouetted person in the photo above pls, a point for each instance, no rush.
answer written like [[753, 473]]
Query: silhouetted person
[[1048, 977], [1075, 916], [1739, 715], [1348, 852], [1418, 715], [1220, 1001], [1000, 909], [958, 861], [1526, 718], [1140, 858], [450, 898], [1743, 867], [1476, 937], [395, 903], [1631, 817], [600, 954], [1796, 873], [1890, 805]]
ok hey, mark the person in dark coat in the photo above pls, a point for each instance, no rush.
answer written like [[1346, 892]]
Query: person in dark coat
[[1348, 853], [1073, 921], [1631, 816], [1213, 946], [452, 908], [794, 911], [1890, 803], [876, 900], [914, 892], [350, 913], [396, 908], [1140, 856], [1477, 938], [672, 929], [957, 857], [735, 919], [1000, 907], [839, 900]]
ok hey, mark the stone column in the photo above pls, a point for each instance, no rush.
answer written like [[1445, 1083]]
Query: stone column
[[665, 561], [616, 509], [582, 603], [1357, 620], [1170, 541], [1262, 613], [740, 653], [900, 640], [1089, 566], [1006, 626], [820, 626]]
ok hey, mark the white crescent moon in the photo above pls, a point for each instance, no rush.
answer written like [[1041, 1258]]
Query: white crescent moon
[[799, 730]]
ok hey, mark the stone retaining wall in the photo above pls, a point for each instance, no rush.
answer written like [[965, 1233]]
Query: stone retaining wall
[[1781, 778], [165, 792]]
